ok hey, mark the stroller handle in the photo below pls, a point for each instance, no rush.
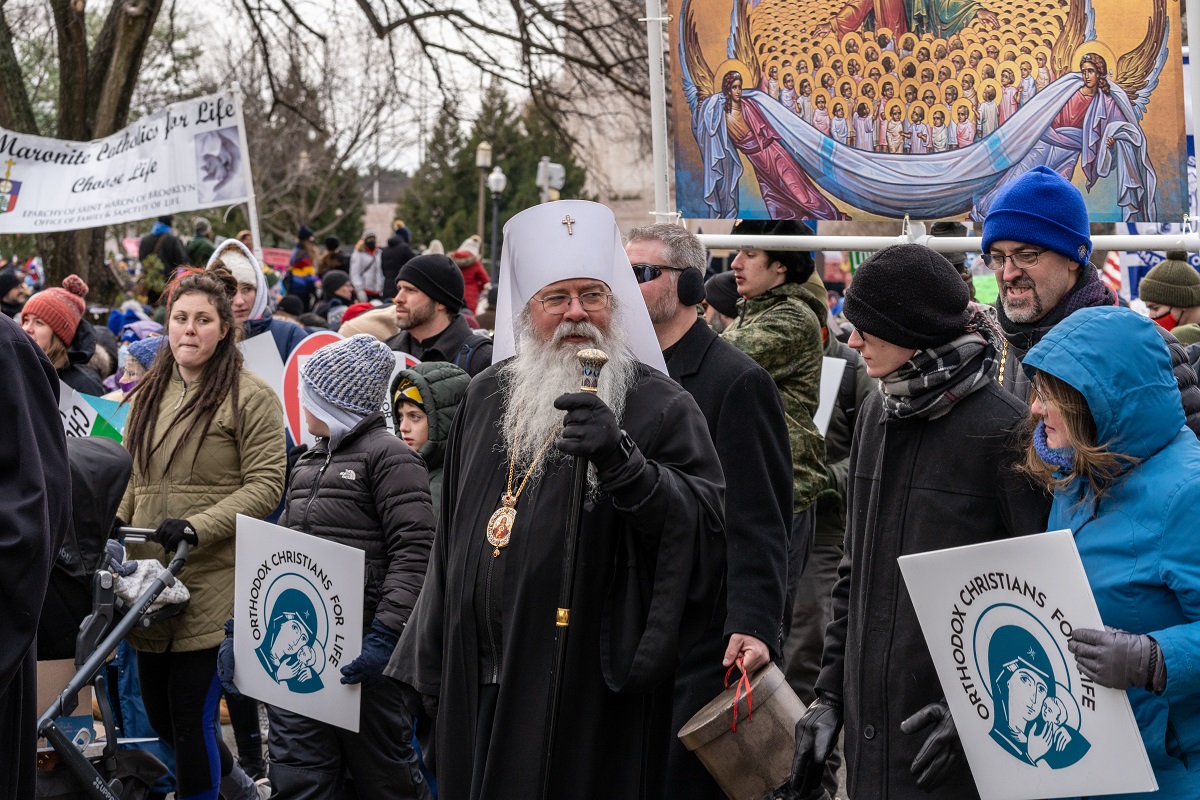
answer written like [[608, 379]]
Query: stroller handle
[[140, 535], [120, 631]]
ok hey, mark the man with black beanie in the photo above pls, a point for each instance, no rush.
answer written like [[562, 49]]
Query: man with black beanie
[[429, 297], [779, 326], [914, 487], [12, 293]]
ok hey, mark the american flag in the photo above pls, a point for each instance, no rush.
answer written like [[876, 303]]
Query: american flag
[[1111, 273]]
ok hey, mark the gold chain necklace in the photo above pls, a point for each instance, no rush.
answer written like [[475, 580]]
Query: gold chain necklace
[[500, 525], [1003, 358]]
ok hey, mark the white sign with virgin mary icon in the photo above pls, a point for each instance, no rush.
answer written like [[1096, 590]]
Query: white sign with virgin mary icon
[[298, 611], [997, 618]]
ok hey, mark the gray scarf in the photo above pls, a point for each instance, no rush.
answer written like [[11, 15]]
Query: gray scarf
[[929, 384]]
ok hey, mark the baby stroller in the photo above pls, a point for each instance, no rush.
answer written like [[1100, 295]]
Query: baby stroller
[[84, 617]]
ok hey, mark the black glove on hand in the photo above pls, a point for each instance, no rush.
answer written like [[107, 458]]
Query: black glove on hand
[[816, 736], [377, 649], [590, 430], [171, 532], [942, 750], [225, 661], [1119, 660]]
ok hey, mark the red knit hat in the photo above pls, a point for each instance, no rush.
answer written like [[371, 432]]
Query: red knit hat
[[61, 309], [354, 310]]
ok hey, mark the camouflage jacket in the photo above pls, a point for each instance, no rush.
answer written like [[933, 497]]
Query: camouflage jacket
[[781, 330]]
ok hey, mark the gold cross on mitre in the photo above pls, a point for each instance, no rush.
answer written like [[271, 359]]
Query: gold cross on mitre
[[569, 222], [8, 171]]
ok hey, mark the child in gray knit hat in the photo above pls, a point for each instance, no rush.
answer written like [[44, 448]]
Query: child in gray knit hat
[[359, 486]]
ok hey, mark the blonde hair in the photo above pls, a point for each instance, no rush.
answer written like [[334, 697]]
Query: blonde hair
[[1100, 469], [57, 352]]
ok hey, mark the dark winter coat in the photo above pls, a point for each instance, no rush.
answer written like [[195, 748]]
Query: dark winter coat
[[915, 485], [286, 334], [35, 517], [394, 256], [77, 374], [442, 387], [856, 387], [458, 344], [370, 493], [168, 248], [200, 250], [745, 419]]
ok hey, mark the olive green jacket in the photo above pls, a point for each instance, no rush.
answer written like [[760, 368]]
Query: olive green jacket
[[209, 483], [781, 330]]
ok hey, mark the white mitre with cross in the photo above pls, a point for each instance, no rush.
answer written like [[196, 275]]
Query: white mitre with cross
[[561, 241]]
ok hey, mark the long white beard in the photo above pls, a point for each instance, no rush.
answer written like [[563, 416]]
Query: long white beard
[[541, 372]]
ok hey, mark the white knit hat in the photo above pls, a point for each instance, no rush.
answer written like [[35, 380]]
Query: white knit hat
[[351, 374]]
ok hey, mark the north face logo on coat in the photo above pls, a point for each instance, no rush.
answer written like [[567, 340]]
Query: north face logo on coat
[[348, 474]]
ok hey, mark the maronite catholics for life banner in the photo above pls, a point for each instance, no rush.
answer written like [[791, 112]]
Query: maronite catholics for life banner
[[188, 156], [997, 618], [867, 109]]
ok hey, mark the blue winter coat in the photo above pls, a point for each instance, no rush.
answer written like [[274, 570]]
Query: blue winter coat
[[1140, 544]]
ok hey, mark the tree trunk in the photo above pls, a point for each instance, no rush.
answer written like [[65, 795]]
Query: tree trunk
[[95, 91]]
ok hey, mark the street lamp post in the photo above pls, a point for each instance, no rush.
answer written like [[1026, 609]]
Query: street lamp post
[[496, 183], [483, 160]]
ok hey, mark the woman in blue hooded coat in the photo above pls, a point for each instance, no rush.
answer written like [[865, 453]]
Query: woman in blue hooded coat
[[1110, 441]]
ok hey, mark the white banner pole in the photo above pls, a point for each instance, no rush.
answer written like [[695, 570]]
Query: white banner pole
[[251, 202], [658, 110], [942, 244]]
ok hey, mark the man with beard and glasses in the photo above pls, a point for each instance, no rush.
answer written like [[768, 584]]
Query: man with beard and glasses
[[479, 647], [1037, 240], [746, 421], [429, 297]]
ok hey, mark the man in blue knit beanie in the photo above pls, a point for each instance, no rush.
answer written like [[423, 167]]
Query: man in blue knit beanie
[[1037, 240]]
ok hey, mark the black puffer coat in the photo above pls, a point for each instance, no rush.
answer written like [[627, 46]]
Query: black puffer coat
[[371, 493]]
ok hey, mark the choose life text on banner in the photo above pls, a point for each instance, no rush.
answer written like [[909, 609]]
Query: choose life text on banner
[[298, 611], [188, 156], [997, 618]]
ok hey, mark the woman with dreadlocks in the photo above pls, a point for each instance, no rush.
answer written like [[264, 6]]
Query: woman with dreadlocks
[[207, 443]]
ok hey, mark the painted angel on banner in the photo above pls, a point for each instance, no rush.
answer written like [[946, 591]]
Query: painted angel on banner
[[1099, 127], [728, 121]]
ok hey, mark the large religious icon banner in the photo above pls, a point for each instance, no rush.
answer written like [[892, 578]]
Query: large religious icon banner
[[867, 109]]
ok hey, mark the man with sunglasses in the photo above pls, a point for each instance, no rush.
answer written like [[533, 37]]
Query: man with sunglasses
[[1037, 240], [479, 646], [745, 418]]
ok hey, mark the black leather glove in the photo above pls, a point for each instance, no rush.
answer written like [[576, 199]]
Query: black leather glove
[[225, 661], [115, 531], [377, 647], [942, 750], [171, 532], [1119, 660], [816, 736], [590, 430]]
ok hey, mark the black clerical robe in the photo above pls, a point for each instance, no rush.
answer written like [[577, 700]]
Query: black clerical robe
[[647, 581]]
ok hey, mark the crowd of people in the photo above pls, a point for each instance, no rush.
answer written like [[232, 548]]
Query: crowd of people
[[895, 91], [717, 528]]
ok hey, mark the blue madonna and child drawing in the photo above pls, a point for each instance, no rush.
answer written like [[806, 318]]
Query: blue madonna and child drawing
[[293, 643], [1035, 716], [840, 109]]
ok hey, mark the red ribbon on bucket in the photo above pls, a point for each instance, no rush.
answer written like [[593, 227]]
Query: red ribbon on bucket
[[743, 684]]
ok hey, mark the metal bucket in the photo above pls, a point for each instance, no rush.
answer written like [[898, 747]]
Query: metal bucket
[[756, 759]]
